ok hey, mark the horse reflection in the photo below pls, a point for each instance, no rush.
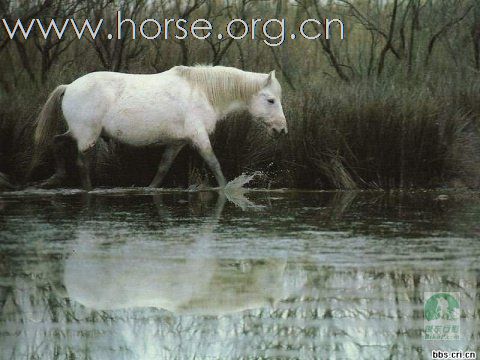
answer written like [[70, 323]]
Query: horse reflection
[[184, 277]]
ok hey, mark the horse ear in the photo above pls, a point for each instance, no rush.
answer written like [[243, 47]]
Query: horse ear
[[270, 78]]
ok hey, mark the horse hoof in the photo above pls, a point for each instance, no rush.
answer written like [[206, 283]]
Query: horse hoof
[[52, 182]]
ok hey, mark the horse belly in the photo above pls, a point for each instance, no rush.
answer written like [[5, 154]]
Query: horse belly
[[143, 123], [155, 110]]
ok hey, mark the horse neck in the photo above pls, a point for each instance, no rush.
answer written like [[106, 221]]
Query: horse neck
[[227, 90], [238, 92]]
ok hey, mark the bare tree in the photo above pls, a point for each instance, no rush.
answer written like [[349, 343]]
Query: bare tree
[[51, 48], [313, 9], [185, 11], [372, 24], [115, 52], [455, 19], [24, 13]]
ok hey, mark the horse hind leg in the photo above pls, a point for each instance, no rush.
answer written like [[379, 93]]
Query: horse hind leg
[[60, 149], [84, 160], [86, 141], [168, 157]]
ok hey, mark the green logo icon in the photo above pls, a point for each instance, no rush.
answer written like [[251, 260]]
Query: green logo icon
[[442, 306], [442, 316]]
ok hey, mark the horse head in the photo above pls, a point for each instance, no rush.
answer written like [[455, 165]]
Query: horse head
[[266, 105]]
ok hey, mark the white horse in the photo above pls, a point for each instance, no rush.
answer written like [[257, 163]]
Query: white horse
[[173, 108]]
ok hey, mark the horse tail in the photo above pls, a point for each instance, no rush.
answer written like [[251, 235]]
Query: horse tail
[[47, 126]]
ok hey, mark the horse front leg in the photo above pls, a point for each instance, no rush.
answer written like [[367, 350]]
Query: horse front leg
[[206, 152], [168, 156]]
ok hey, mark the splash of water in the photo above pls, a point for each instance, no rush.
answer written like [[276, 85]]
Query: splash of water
[[235, 190], [239, 182]]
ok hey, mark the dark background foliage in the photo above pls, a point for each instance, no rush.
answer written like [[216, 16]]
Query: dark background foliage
[[394, 105]]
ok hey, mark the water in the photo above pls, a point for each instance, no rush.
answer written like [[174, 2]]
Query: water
[[152, 274]]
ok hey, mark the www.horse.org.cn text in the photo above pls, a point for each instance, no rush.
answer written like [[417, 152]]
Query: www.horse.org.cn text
[[272, 32]]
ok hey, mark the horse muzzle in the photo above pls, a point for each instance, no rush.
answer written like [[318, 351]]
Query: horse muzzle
[[282, 129]]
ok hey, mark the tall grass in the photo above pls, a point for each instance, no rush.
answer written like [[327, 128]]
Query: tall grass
[[382, 134]]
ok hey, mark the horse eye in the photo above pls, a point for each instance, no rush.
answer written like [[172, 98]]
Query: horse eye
[[271, 101]]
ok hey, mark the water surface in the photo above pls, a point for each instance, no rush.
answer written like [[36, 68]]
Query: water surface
[[137, 274]]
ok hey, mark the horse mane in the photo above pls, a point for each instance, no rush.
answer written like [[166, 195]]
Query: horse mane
[[222, 85]]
